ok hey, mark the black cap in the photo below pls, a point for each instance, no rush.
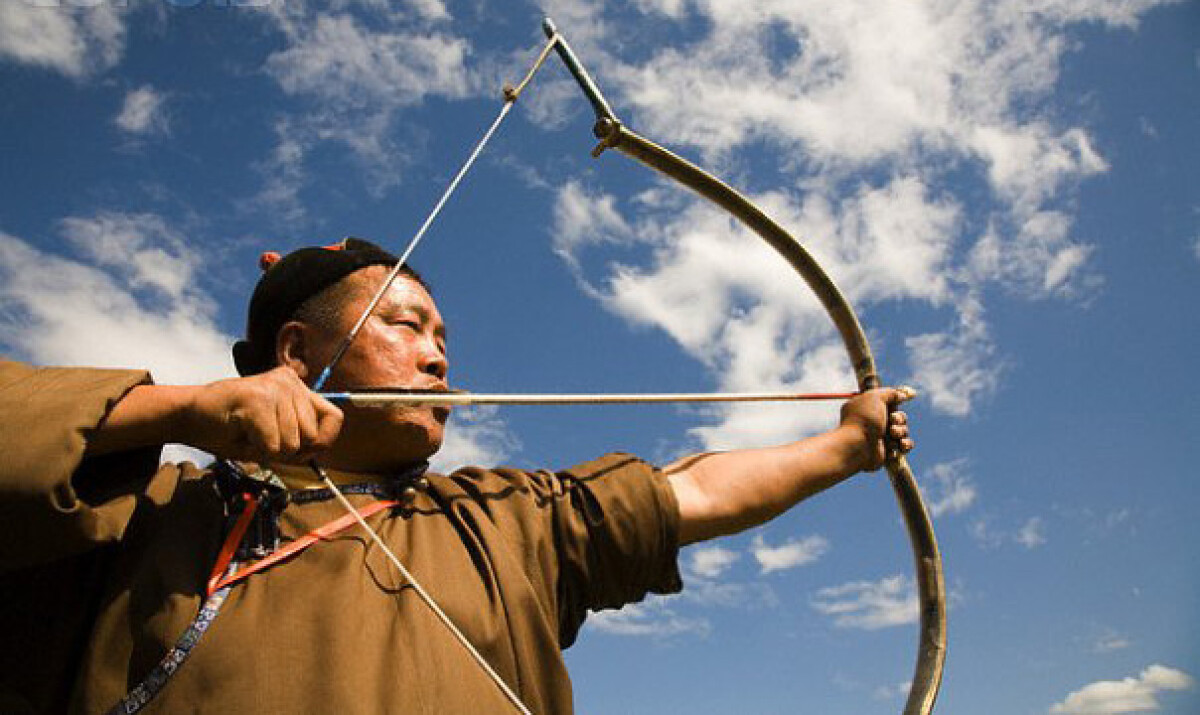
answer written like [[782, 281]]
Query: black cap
[[289, 281]]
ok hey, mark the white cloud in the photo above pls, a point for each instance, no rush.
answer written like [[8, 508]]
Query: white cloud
[[1147, 127], [788, 555], [62, 36], [143, 112], [955, 369], [339, 59], [652, 617], [1032, 533], [1196, 248], [712, 561], [870, 605], [947, 490], [1129, 695], [357, 68], [1116, 14], [709, 593], [748, 425], [428, 9], [131, 300], [883, 82], [583, 21], [895, 241], [1028, 164], [704, 568], [1034, 253], [985, 534], [883, 242], [1117, 517], [1110, 641], [284, 177], [141, 248], [581, 218], [735, 305], [893, 692], [474, 436]]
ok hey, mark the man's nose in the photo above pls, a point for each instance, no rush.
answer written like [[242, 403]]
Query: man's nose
[[434, 361]]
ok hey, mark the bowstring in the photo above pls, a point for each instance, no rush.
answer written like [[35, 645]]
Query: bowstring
[[510, 98], [511, 94]]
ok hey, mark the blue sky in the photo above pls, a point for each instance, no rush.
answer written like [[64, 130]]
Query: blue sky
[[1005, 190]]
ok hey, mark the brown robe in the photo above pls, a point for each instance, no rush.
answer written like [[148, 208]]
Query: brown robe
[[103, 564]]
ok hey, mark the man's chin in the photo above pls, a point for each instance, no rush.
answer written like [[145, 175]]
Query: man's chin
[[400, 414], [393, 436], [433, 443]]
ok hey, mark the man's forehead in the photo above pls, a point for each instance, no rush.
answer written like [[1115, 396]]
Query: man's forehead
[[406, 294], [408, 291], [404, 286]]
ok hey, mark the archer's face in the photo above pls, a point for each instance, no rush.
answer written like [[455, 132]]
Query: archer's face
[[402, 345]]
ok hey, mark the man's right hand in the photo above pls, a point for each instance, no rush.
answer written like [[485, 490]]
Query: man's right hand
[[271, 417]]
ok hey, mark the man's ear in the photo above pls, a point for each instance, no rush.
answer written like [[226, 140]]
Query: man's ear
[[293, 348]]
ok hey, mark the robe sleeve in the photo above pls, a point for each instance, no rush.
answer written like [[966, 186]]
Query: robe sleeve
[[54, 502], [619, 538], [597, 536]]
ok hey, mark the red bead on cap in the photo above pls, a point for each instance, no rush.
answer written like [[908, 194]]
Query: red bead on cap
[[268, 259]]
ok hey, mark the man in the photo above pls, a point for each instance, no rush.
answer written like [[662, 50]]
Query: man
[[109, 557]]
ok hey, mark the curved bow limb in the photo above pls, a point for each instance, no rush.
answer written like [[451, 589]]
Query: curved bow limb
[[931, 653]]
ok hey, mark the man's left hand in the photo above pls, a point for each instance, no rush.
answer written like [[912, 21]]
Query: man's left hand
[[875, 414]]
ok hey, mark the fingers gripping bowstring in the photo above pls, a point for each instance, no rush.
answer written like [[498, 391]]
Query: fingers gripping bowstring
[[510, 98]]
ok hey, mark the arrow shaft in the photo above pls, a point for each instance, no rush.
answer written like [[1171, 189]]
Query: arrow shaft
[[465, 398]]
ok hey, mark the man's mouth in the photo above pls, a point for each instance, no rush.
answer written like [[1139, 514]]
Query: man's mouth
[[392, 398], [433, 389]]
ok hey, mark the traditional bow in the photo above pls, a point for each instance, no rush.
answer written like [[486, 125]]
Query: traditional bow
[[613, 134]]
